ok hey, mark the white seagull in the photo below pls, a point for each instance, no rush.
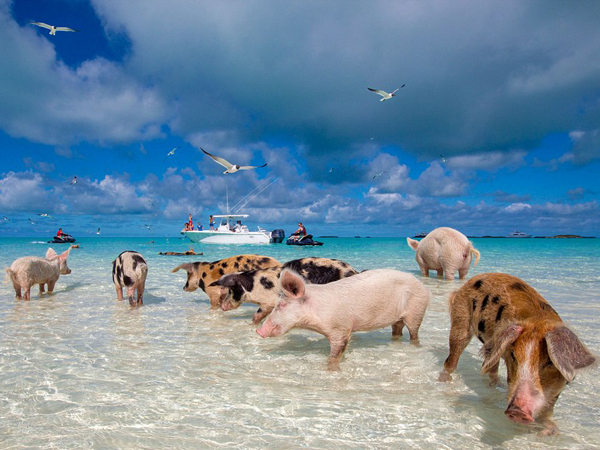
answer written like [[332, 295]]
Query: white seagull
[[444, 160], [32, 222], [98, 232], [385, 95], [6, 219], [378, 174], [231, 168], [46, 215], [52, 28], [171, 153], [74, 180]]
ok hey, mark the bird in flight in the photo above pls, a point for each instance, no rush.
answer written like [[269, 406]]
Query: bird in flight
[[74, 180], [171, 153], [6, 219], [378, 175], [52, 28], [444, 160], [46, 215], [231, 168], [385, 95], [32, 222], [149, 227]]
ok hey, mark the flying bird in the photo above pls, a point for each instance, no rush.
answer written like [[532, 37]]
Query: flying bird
[[46, 215], [231, 168], [98, 232], [149, 227], [443, 159], [331, 170], [171, 153], [74, 180], [378, 175], [6, 219], [52, 28], [385, 95], [32, 222]]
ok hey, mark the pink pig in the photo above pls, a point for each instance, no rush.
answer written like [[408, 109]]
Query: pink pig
[[445, 250], [30, 270], [367, 301]]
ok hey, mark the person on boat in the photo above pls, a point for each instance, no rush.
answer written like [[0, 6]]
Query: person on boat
[[186, 226], [190, 222], [200, 227], [238, 227], [300, 232], [211, 223]]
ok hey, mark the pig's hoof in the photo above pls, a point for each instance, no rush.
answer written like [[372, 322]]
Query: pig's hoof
[[444, 377]]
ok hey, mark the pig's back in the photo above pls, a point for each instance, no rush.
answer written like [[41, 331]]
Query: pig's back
[[32, 269]]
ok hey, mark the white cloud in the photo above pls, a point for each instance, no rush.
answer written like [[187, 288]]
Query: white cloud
[[517, 207]]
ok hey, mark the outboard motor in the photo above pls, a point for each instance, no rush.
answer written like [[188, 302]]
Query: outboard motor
[[277, 236]]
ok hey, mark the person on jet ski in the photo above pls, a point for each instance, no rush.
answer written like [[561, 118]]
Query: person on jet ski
[[300, 232], [59, 233]]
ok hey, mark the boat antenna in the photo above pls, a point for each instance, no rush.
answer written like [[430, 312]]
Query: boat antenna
[[259, 192], [227, 196], [251, 192]]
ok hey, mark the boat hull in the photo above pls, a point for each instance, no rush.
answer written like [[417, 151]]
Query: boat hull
[[220, 237]]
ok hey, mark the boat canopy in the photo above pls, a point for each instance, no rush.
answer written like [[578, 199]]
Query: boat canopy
[[231, 216]]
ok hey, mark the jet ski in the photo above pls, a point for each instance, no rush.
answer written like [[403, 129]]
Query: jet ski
[[304, 240], [64, 239]]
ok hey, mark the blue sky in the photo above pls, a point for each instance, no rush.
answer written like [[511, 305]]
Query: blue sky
[[497, 128]]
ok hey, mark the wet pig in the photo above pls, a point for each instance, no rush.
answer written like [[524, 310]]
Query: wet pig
[[130, 271]]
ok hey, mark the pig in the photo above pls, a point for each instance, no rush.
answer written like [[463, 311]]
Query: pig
[[515, 323], [130, 271], [260, 285], [445, 250], [203, 274], [29, 270], [366, 301]]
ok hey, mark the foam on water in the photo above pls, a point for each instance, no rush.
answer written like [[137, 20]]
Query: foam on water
[[82, 370]]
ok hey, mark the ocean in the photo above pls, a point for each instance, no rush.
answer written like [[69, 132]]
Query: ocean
[[80, 369]]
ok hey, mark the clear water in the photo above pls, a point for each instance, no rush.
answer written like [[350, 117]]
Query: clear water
[[81, 370]]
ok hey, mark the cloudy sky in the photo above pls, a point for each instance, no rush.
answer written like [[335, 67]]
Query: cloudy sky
[[497, 128]]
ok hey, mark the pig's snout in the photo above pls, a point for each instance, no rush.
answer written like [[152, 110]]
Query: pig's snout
[[226, 306], [518, 415], [261, 332], [269, 330]]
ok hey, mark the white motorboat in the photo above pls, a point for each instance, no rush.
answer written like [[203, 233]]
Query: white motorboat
[[229, 232], [519, 234]]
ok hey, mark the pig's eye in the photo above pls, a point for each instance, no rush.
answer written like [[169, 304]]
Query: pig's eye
[[512, 357], [547, 364]]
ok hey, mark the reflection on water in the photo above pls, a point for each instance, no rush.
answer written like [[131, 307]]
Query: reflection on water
[[83, 370]]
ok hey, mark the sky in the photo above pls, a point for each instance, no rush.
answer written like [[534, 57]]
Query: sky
[[496, 129]]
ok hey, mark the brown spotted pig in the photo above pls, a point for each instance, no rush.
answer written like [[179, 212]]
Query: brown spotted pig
[[517, 324], [203, 274], [260, 286], [130, 271]]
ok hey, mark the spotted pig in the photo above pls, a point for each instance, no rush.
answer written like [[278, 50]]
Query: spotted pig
[[261, 286], [515, 323], [130, 271], [203, 274]]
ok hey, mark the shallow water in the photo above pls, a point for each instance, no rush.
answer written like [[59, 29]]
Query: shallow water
[[82, 370]]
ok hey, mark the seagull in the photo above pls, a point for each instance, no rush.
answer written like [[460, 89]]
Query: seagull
[[46, 215], [331, 170], [74, 180], [149, 227], [171, 153], [385, 95], [52, 28], [6, 219], [231, 168], [443, 159], [378, 175], [32, 222], [98, 232]]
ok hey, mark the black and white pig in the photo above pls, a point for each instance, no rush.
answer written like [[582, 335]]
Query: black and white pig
[[130, 271]]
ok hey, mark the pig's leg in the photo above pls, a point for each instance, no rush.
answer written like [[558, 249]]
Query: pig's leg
[[424, 270], [397, 329], [27, 294], [214, 296], [119, 290], [17, 289], [338, 346], [494, 375], [130, 294], [460, 336], [449, 274], [42, 288], [51, 285], [140, 295], [463, 273], [262, 312]]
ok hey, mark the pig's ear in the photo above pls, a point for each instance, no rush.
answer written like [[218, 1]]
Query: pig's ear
[[51, 254], [567, 352], [187, 267], [412, 243], [64, 255], [228, 280], [291, 283], [503, 340]]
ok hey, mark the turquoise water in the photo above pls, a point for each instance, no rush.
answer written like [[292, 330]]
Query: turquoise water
[[82, 370]]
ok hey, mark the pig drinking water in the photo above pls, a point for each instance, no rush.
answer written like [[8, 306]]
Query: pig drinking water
[[130, 271], [30, 270], [203, 274], [445, 250], [367, 301], [516, 323], [260, 286]]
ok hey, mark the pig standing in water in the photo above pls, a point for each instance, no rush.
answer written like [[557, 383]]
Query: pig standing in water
[[516, 323], [445, 250], [30, 270], [130, 270], [367, 301]]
